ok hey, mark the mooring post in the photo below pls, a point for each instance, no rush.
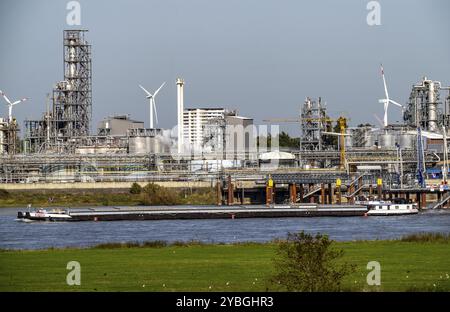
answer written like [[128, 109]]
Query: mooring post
[[370, 190], [322, 193], [418, 200], [301, 191], [230, 191], [338, 188], [350, 197], [219, 193], [293, 193], [330, 193], [424, 200], [269, 191], [380, 188]]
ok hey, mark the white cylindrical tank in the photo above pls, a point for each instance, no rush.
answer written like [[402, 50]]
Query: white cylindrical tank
[[406, 140], [137, 145], [369, 139], [147, 145], [386, 140], [348, 139]]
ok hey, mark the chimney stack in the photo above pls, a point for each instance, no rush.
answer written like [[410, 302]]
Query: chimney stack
[[180, 110]]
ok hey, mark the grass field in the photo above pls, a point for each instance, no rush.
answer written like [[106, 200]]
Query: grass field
[[405, 266]]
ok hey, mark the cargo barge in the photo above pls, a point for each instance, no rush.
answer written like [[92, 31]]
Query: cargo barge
[[186, 212]]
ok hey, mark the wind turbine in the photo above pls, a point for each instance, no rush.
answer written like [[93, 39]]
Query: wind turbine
[[152, 102], [11, 104], [387, 100]]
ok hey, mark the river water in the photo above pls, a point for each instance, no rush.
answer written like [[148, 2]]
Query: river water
[[36, 235]]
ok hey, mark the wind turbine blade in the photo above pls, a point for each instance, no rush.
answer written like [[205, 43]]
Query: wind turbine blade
[[395, 103], [5, 97], [148, 93], [379, 120], [19, 101], [156, 92], [384, 82]]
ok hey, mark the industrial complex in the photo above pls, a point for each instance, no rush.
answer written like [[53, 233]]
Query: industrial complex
[[224, 150]]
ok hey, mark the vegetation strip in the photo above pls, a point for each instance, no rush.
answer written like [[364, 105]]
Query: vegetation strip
[[415, 263]]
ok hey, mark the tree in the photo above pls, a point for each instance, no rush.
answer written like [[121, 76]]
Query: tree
[[135, 188], [308, 263], [154, 194], [286, 141]]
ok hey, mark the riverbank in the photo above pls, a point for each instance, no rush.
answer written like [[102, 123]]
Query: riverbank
[[103, 197], [155, 266]]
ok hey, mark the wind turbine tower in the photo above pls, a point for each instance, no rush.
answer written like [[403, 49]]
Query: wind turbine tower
[[11, 104], [152, 103], [387, 100]]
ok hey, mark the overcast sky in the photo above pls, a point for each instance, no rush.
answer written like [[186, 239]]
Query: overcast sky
[[260, 57]]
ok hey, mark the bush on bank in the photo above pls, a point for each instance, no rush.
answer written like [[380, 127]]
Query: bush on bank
[[309, 263]]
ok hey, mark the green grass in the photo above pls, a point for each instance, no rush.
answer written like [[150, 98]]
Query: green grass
[[405, 266]]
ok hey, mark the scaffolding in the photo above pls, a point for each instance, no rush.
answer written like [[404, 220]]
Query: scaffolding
[[67, 124], [214, 135], [314, 121], [424, 108], [9, 140]]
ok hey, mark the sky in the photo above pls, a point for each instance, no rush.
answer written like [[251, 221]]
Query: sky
[[260, 57]]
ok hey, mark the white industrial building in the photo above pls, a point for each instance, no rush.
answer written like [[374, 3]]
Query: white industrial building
[[217, 130], [195, 121]]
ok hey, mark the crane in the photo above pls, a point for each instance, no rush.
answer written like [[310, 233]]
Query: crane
[[342, 122]]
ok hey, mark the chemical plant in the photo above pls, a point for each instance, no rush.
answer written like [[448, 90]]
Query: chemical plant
[[61, 146]]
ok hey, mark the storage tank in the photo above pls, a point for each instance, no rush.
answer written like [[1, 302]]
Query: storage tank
[[348, 139], [138, 145], [147, 145], [406, 140], [369, 138], [386, 140]]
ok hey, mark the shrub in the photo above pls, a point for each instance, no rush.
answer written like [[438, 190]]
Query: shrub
[[4, 193], [117, 245], [200, 197], [135, 188], [153, 194], [307, 263], [154, 244]]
